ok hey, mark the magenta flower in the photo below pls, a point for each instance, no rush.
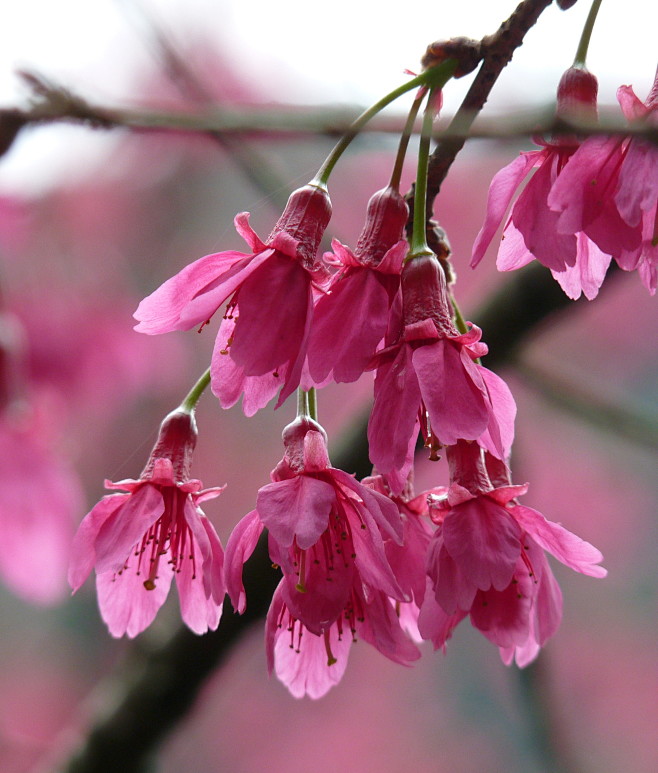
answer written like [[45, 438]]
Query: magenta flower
[[486, 559], [609, 190], [408, 559], [140, 540], [271, 300], [428, 378], [350, 319], [532, 230], [326, 532]]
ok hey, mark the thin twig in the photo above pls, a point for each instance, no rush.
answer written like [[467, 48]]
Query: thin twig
[[53, 103]]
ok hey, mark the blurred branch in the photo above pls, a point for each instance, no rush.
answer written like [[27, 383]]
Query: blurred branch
[[52, 103], [497, 51]]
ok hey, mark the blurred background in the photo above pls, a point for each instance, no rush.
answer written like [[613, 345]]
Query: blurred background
[[93, 220]]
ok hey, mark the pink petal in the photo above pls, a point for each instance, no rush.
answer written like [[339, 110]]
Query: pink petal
[[484, 540], [83, 549], [393, 417], [632, 107], [228, 382], [637, 191], [513, 252], [327, 592], [125, 604], [273, 306], [383, 510], [316, 456], [307, 672], [391, 263], [381, 628], [348, 325], [503, 616], [434, 624], [502, 189], [126, 526], [161, 311], [241, 544], [538, 224], [296, 508], [204, 304], [201, 609], [453, 392], [565, 546], [215, 573], [241, 223], [371, 560], [497, 439], [452, 589], [589, 272], [548, 605], [575, 193], [296, 369], [523, 654]]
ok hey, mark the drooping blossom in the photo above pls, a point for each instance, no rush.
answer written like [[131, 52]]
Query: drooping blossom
[[326, 532], [140, 540], [532, 229], [408, 559], [487, 560], [429, 378], [609, 191], [351, 318], [263, 340]]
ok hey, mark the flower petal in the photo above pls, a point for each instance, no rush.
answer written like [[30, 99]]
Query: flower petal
[[296, 508], [484, 540], [565, 546], [502, 189], [126, 526]]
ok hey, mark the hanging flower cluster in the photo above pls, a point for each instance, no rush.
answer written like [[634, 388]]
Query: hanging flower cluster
[[587, 202], [371, 560]]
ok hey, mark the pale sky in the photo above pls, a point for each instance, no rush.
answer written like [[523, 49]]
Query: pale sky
[[351, 51]]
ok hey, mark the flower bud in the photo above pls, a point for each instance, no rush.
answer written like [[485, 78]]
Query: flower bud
[[176, 442], [305, 219], [386, 218], [576, 94]]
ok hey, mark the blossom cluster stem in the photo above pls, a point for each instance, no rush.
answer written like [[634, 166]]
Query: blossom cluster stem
[[189, 403], [435, 77], [418, 237], [307, 404], [460, 322], [583, 45], [396, 174]]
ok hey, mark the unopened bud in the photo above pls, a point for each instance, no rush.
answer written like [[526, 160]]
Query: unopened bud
[[576, 94]]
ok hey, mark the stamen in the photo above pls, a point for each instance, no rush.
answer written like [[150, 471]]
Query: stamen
[[330, 655], [301, 585]]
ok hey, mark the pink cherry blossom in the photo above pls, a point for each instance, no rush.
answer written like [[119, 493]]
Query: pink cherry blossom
[[609, 191], [408, 560], [139, 541], [351, 318], [429, 378], [486, 559], [532, 229], [326, 532], [271, 299]]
